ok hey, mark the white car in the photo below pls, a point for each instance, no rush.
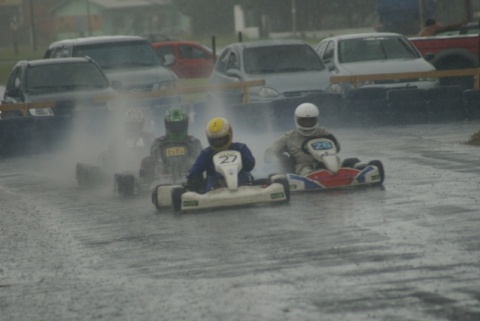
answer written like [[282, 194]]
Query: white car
[[374, 53]]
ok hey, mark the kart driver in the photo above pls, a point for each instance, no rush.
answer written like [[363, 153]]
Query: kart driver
[[176, 129], [288, 148], [133, 139], [219, 135]]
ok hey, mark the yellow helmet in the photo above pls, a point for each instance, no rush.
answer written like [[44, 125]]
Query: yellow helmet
[[219, 134]]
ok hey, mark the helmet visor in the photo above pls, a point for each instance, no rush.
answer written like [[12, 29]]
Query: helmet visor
[[219, 142], [177, 127], [307, 122]]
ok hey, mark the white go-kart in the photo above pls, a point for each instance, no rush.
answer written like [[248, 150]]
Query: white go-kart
[[228, 164]]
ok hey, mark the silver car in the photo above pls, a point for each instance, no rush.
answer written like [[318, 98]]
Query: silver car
[[290, 68], [374, 53]]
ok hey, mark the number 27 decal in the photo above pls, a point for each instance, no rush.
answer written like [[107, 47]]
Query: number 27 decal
[[228, 159]]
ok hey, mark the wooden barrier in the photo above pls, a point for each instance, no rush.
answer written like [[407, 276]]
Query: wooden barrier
[[24, 107], [188, 90], [245, 86], [357, 79]]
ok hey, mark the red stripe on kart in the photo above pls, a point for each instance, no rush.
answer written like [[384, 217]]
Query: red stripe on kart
[[344, 177]]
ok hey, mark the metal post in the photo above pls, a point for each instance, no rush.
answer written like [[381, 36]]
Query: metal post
[[32, 27], [89, 28], [294, 18], [421, 18]]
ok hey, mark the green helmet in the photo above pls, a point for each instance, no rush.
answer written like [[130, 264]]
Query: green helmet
[[176, 124]]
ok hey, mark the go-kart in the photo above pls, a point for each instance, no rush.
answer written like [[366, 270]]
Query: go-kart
[[330, 172], [169, 173], [228, 194], [108, 162]]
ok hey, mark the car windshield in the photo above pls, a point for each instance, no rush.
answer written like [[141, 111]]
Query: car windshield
[[64, 77], [120, 55], [282, 58], [374, 48]]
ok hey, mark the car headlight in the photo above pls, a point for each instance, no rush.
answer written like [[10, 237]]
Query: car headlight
[[335, 89], [431, 79], [367, 82], [169, 84], [267, 92]]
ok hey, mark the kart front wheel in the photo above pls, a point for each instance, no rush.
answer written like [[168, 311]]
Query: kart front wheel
[[381, 170], [350, 162], [286, 187], [177, 193]]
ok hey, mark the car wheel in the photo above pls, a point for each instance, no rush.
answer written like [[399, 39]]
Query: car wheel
[[286, 187], [177, 193], [381, 170]]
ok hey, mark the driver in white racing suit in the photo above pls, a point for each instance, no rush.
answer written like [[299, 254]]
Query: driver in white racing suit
[[288, 147], [132, 142]]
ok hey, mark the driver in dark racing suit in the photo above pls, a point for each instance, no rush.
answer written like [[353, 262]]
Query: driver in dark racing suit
[[176, 127], [219, 134], [288, 148]]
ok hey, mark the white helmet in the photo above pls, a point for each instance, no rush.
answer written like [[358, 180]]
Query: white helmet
[[134, 120], [306, 119]]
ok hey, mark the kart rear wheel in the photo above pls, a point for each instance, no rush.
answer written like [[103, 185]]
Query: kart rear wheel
[[125, 184], [286, 187], [350, 162], [177, 193], [155, 198], [381, 170], [87, 175]]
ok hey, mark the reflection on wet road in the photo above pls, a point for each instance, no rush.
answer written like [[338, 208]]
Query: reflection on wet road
[[407, 251]]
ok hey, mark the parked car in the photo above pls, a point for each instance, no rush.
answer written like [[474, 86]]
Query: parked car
[[471, 28], [374, 53], [290, 68], [69, 82], [128, 61], [187, 59]]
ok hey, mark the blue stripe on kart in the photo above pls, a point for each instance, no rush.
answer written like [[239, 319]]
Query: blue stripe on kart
[[361, 176]]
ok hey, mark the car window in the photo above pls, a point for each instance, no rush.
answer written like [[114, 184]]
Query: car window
[[60, 52], [233, 62], [120, 55], [64, 77], [321, 48], [191, 52], [164, 51], [14, 81], [281, 58], [329, 52], [374, 48], [221, 64]]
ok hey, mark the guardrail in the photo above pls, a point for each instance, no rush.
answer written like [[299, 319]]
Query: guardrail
[[24, 107], [245, 86], [358, 79]]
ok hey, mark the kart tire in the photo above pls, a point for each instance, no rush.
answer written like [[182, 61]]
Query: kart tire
[[125, 184], [381, 170], [260, 181], [286, 187], [177, 193], [86, 175], [155, 198], [350, 162]]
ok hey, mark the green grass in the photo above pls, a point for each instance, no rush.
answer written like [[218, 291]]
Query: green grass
[[8, 59], [474, 139]]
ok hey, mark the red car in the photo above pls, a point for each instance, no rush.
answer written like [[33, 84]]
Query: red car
[[187, 59]]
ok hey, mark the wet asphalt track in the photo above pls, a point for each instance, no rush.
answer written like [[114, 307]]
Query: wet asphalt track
[[408, 251]]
